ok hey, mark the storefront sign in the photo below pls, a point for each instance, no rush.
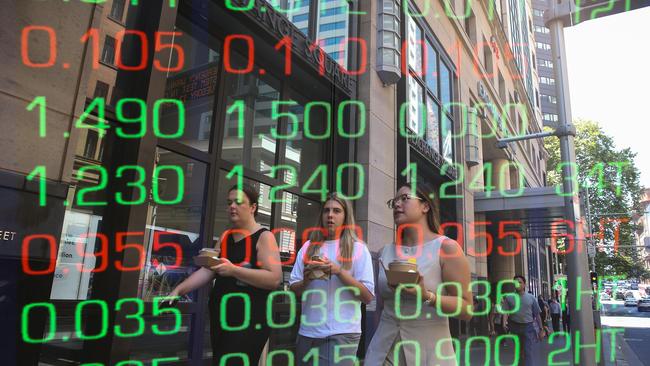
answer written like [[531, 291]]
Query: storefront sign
[[277, 24], [7, 235], [426, 150]]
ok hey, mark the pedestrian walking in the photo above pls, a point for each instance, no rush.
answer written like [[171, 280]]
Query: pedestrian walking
[[555, 314], [522, 321], [439, 259], [566, 318], [336, 265], [257, 271]]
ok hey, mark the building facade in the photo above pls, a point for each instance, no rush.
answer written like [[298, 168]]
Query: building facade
[[154, 110], [547, 93]]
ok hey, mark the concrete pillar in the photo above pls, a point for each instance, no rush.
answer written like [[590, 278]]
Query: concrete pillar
[[500, 174], [501, 267]]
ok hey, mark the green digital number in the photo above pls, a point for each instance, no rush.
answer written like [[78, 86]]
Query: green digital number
[[322, 306], [156, 311], [292, 309], [313, 353], [453, 356], [156, 119], [505, 169], [338, 357], [485, 297], [293, 174], [501, 296], [24, 322], [403, 343], [468, 349], [180, 190], [497, 348], [247, 7], [156, 361], [79, 322], [361, 182], [449, 11], [361, 118], [328, 118], [403, 130], [464, 112], [138, 184], [552, 354], [407, 11], [338, 303], [137, 316], [398, 301], [100, 104], [573, 177], [459, 180], [485, 184], [321, 171], [129, 362], [40, 170], [223, 312], [411, 175], [239, 355], [293, 123], [102, 177], [271, 355], [141, 118], [278, 6], [459, 299], [41, 102]]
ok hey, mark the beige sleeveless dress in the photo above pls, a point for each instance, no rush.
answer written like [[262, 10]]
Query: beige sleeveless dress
[[419, 336]]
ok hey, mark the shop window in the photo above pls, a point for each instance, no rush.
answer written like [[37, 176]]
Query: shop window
[[91, 144], [433, 123], [101, 90], [194, 86], [258, 98], [178, 223]]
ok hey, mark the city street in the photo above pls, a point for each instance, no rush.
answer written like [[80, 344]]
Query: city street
[[637, 329]]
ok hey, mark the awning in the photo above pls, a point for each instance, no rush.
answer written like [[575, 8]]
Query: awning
[[540, 210]]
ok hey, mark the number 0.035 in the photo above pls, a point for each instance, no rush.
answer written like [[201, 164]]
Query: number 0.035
[[136, 319], [138, 185]]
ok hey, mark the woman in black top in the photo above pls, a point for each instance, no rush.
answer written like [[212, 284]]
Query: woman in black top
[[250, 267]]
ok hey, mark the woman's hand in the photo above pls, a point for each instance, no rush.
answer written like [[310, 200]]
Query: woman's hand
[[413, 290], [225, 268], [330, 266]]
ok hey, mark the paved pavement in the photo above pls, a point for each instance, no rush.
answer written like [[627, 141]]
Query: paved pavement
[[630, 328]]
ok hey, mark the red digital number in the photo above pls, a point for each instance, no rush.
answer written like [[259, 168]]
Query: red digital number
[[157, 245], [339, 232], [121, 246], [144, 50], [103, 253], [554, 236], [503, 234], [400, 230], [159, 46], [224, 246], [489, 240], [292, 258], [24, 46], [250, 57], [51, 241], [364, 55]]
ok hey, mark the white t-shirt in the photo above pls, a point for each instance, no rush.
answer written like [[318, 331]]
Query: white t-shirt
[[328, 306]]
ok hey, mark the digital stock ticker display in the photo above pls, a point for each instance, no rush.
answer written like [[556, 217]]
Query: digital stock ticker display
[[308, 182]]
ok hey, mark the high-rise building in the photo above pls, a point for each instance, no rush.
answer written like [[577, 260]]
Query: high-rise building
[[547, 93]]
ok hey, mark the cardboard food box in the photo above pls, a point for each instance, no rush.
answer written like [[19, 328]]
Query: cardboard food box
[[401, 272], [317, 274], [207, 258]]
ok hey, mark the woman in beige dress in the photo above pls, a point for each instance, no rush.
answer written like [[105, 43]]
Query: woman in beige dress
[[412, 333]]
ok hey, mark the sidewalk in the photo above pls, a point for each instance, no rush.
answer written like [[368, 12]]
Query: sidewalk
[[557, 353]]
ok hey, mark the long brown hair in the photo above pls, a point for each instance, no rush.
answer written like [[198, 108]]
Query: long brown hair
[[347, 235], [426, 192]]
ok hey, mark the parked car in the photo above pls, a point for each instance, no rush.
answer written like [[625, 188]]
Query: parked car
[[619, 295], [644, 304], [634, 286], [631, 301], [604, 296]]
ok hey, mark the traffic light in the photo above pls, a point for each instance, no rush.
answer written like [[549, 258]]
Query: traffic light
[[594, 278]]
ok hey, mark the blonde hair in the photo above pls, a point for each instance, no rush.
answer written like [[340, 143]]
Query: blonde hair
[[348, 234]]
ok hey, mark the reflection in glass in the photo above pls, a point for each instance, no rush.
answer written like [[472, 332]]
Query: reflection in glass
[[414, 38], [195, 86], [432, 69], [299, 14], [256, 96], [433, 124], [445, 85], [447, 142], [178, 224], [333, 28], [415, 102]]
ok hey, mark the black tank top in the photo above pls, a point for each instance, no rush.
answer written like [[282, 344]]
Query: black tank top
[[234, 307]]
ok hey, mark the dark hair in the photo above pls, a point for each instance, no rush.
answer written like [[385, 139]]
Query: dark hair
[[250, 192], [426, 192], [520, 276]]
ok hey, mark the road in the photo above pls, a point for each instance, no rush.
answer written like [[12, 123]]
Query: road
[[636, 325]]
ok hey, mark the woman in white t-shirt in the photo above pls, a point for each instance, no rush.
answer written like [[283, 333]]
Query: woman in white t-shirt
[[332, 275]]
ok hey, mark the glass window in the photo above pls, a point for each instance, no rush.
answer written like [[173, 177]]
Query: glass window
[[302, 152], [415, 101], [445, 84], [117, 10], [414, 38], [91, 144], [101, 90], [108, 53], [433, 123], [432, 69], [299, 14], [333, 20], [178, 224], [194, 86], [257, 95], [447, 141]]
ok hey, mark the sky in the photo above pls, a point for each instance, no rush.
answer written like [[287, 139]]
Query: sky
[[609, 79]]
